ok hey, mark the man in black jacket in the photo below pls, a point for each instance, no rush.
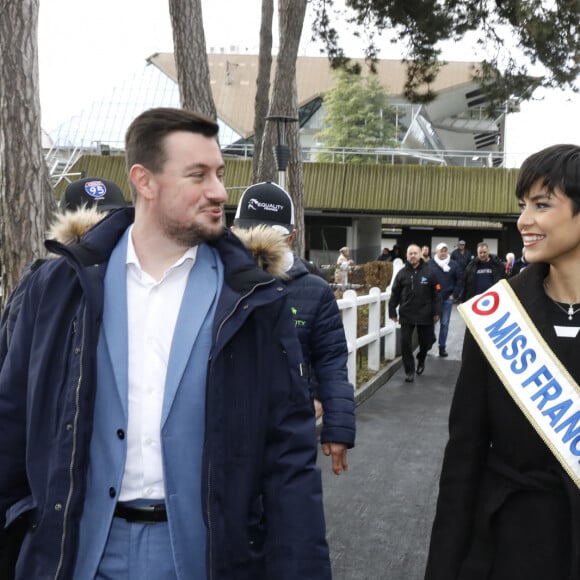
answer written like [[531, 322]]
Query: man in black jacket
[[481, 273], [262, 208], [462, 256], [416, 292]]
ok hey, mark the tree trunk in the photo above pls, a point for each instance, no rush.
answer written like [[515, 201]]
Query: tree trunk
[[262, 102], [191, 57], [295, 181], [26, 195], [291, 21]]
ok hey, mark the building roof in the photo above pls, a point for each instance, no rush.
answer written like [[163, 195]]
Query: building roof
[[407, 191], [233, 81]]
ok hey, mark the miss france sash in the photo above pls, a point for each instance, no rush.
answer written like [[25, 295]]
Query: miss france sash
[[538, 382]]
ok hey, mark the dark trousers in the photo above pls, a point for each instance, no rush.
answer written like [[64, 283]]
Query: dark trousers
[[426, 336]]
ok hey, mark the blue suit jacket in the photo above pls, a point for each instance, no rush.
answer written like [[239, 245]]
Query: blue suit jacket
[[182, 420]]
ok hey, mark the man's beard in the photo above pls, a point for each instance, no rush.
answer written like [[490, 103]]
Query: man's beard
[[193, 234]]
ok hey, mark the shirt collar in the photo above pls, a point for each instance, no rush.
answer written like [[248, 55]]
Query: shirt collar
[[132, 259]]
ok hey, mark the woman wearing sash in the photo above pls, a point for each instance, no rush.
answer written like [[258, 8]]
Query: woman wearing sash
[[509, 505]]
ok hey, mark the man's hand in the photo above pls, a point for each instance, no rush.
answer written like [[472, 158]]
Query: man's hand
[[338, 452], [318, 410]]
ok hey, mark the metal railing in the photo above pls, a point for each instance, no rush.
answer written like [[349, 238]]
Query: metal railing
[[389, 156], [61, 158]]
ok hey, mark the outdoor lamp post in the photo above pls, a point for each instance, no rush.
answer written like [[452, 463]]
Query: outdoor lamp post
[[281, 149]]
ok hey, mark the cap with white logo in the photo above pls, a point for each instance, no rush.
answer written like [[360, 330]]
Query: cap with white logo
[[92, 192], [265, 204]]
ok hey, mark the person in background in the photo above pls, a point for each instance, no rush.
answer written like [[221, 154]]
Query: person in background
[[426, 253], [262, 208], [447, 272], [521, 264], [461, 256], [481, 273], [84, 203], [385, 256], [396, 252], [155, 420], [343, 263], [509, 497], [509, 263], [92, 192], [415, 292]]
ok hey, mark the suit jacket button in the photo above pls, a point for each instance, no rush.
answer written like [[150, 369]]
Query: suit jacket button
[[112, 492], [120, 434]]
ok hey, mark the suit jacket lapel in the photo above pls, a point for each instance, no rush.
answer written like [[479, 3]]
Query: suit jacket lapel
[[115, 318], [197, 301]]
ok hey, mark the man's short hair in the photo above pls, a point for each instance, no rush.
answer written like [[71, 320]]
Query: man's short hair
[[557, 166], [145, 137]]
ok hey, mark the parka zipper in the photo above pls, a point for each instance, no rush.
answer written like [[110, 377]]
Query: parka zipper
[[73, 453], [208, 503], [241, 298], [209, 534]]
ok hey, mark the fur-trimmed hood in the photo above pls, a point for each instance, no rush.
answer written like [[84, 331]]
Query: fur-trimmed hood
[[69, 227], [268, 246]]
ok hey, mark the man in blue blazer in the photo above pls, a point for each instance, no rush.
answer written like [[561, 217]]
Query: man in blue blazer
[[154, 420]]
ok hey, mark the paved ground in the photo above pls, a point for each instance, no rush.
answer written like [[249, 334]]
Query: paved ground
[[379, 513]]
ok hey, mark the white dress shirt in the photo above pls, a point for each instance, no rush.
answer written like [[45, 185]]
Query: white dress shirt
[[152, 309]]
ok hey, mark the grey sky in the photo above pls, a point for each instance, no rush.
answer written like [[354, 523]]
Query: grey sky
[[107, 41]]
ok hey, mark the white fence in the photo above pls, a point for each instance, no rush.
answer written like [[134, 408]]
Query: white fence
[[377, 328]]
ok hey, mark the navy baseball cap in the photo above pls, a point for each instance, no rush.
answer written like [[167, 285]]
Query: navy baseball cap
[[92, 192], [266, 204]]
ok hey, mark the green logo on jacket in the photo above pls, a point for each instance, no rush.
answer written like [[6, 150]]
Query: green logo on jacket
[[297, 322]]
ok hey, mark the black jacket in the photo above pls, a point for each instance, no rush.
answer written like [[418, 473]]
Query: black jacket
[[506, 507], [321, 333], [318, 322], [462, 259], [470, 275], [416, 292]]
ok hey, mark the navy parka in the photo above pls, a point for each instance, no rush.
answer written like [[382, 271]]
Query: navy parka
[[262, 489], [321, 333]]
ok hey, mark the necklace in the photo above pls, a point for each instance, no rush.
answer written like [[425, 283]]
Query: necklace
[[570, 311]]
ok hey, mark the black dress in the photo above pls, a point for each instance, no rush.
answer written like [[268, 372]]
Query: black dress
[[506, 510]]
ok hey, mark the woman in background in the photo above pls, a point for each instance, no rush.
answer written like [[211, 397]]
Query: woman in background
[[343, 263]]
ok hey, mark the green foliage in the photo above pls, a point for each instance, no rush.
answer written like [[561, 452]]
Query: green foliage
[[357, 116], [517, 34]]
